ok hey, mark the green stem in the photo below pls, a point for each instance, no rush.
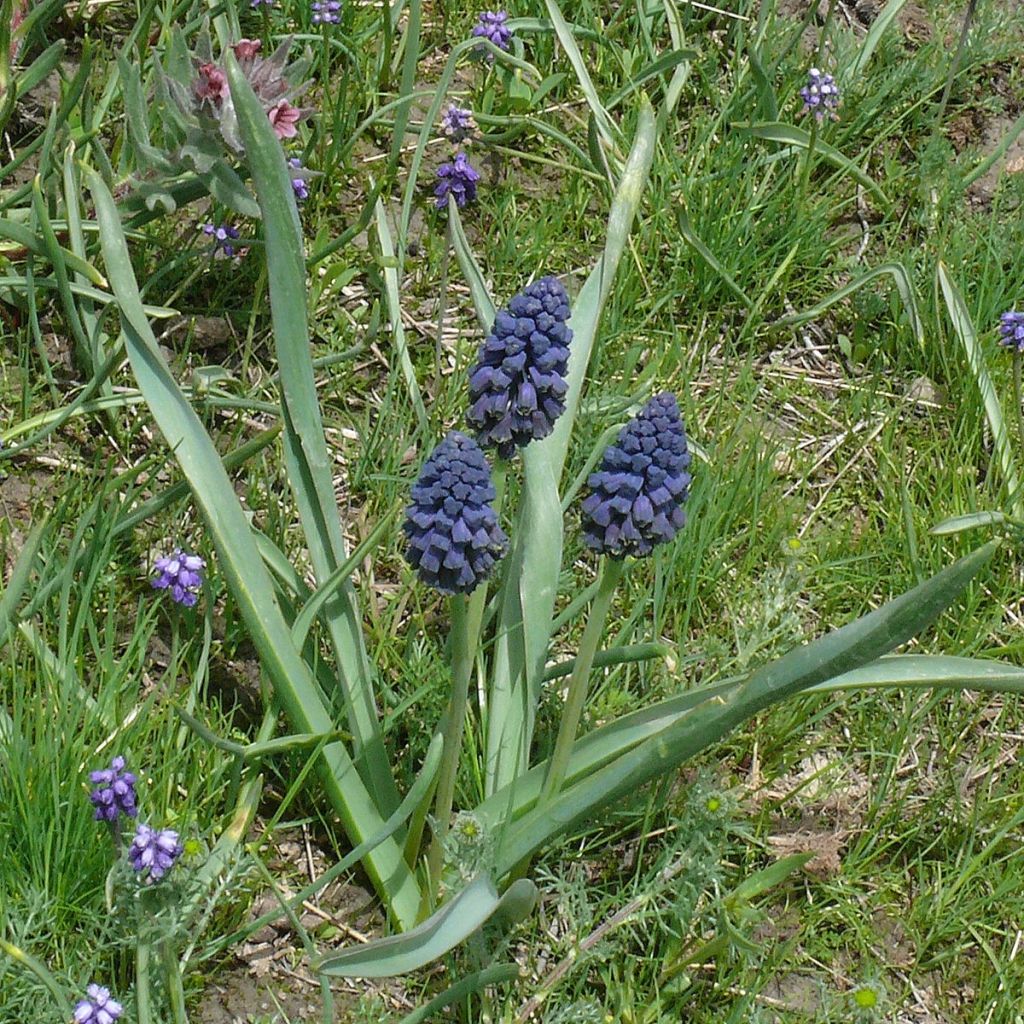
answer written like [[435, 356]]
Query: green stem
[[611, 573], [805, 178], [1018, 408], [464, 632], [175, 990], [143, 1005]]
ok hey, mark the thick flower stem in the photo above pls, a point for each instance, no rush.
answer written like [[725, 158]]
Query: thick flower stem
[[1018, 393], [611, 573], [466, 614]]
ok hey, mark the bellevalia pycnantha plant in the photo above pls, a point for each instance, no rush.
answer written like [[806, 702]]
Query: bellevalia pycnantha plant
[[490, 539]]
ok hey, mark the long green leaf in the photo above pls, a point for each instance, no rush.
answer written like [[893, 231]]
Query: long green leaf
[[843, 650], [23, 236], [524, 630], [929, 672], [441, 932], [471, 983], [243, 569], [964, 327], [305, 446], [790, 135]]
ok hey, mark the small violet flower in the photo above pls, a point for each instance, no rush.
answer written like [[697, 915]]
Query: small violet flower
[[326, 12], [115, 792], [98, 1008], [264, 3], [453, 539], [457, 123], [224, 236], [637, 496], [517, 388], [493, 26], [820, 95], [1011, 330], [299, 186], [456, 180], [154, 851], [182, 574], [284, 119]]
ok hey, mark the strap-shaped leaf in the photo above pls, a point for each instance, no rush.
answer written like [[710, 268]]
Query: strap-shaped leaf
[[843, 650], [242, 567], [524, 630], [305, 448], [440, 933]]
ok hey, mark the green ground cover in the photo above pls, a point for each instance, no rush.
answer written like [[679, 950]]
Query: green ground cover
[[830, 439]]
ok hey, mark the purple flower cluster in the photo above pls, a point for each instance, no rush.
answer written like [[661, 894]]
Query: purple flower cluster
[[1011, 330], [456, 180], [115, 792], [820, 95], [154, 851], [182, 574], [299, 184], [326, 12], [224, 237], [637, 496], [98, 1008], [517, 388], [457, 123], [493, 26], [453, 539]]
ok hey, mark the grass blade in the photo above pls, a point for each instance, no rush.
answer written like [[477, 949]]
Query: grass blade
[[871, 41], [901, 278], [412, 387], [790, 135], [964, 328]]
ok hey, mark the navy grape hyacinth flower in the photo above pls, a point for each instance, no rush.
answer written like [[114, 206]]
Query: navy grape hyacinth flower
[[517, 388], [453, 539], [636, 499]]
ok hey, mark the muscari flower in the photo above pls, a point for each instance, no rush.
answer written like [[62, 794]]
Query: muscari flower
[[223, 236], [299, 186], [265, 3], [114, 793], [493, 26], [1011, 330], [517, 388], [820, 95], [637, 496], [98, 1008], [182, 574], [456, 180], [453, 538], [457, 123], [154, 851], [326, 12]]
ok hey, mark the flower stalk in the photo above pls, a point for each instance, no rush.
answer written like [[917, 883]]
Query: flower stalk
[[558, 764]]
